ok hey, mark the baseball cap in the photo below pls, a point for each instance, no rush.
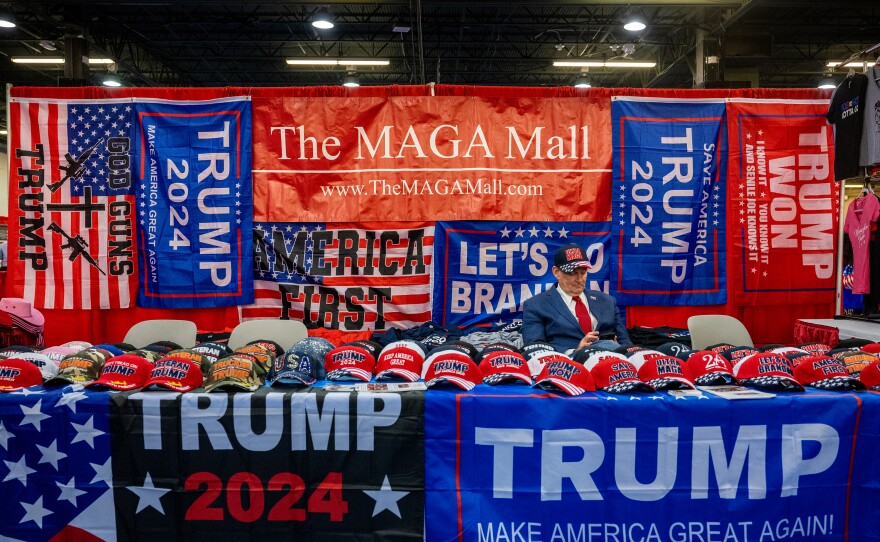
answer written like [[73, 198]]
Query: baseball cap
[[238, 370], [869, 376], [15, 349], [80, 368], [212, 350], [372, 347], [272, 346], [504, 366], [400, 359], [113, 349], [124, 373], [736, 355], [771, 346], [262, 353], [537, 362], [495, 347], [721, 347], [825, 373], [16, 374], [853, 342], [162, 347], [48, 368], [57, 353], [581, 354], [176, 374], [149, 355], [536, 347], [820, 348], [855, 360], [786, 350], [349, 362], [662, 373], [565, 375], [677, 350], [295, 369], [460, 346], [77, 345], [316, 348], [708, 368], [452, 367], [767, 371], [187, 353], [570, 257], [873, 348], [614, 373], [628, 350]]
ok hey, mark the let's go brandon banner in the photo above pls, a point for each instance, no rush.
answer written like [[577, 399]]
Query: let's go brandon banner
[[783, 202], [431, 158], [668, 201]]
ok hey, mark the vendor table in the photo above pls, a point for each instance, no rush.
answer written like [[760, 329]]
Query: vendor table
[[505, 463]]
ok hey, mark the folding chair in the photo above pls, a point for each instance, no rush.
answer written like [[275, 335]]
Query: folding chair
[[709, 329], [284, 332], [182, 332]]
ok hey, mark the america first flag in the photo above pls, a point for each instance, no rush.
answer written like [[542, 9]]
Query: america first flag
[[352, 277], [71, 215]]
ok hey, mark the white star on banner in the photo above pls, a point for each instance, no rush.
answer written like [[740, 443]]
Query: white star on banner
[[519, 232], [504, 232], [50, 454], [86, 432], [563, 233], [70, 400], [149, 495], [677, 397], [28, 391], [69, 492], [35, 512], [611, 398], [386, 498], [18, 470], [548, 232], [655, 397], [634, 398], [32, 415], [534, 231], [103, 473], [5, 435]]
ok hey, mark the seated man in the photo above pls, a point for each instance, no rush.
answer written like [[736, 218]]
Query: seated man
[[568, 317]]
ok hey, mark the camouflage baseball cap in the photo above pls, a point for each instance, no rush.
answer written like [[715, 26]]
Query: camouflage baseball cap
[[241, 371], [80, 368]]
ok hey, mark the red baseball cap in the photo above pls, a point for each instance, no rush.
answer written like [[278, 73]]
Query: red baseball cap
[[177, 374], [767, 371], [565, 375], [663, 373], [614, 373], [708, 368], [873, 348], [825, 373], [400, 359], [349, 362], [124, 373], [870, 376], [16, 374], [505, 366], [452, 367]]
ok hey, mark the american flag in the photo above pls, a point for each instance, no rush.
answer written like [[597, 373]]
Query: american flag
[[55, 469], [83, 209], [390, 281]]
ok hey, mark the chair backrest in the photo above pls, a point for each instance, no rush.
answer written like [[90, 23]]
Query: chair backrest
[[182, 332], [284, 332], [709, 329]]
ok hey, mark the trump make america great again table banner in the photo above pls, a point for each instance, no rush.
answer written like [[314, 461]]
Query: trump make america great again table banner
[[353, 277], [783, 202], [668, 201], [194, 203], [484, 271], [430, 158], [71, 208], [650, 468]]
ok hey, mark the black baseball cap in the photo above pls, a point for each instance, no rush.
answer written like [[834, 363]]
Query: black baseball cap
[[570, 257]]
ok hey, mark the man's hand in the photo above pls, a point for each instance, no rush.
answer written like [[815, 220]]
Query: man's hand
[[588, 339]]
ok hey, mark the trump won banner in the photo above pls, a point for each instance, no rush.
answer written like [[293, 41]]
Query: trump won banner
[[484, 271], [71, 213], [353, 277], [668, 201], [783, 202], [194, 203], [430, 158]]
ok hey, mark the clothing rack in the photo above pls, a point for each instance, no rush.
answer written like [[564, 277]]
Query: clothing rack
[[858, 56]]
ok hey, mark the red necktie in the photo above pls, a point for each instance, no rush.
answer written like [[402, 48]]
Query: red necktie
[[583, 316]]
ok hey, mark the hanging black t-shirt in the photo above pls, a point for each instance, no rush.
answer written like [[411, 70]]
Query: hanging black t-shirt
[[846, 113]]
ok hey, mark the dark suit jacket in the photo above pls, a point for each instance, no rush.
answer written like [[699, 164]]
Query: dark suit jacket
[[546, 318]]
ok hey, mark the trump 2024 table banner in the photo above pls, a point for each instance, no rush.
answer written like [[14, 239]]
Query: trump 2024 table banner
[[195, 203], [668, 201]]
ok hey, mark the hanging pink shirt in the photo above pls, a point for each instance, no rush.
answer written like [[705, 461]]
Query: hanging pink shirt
[[862, 211]]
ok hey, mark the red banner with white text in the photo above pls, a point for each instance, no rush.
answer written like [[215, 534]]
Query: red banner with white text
[[431, 158], [782, 211]]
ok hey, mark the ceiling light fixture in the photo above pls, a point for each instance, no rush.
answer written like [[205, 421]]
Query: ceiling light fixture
[[634, 21], [350, 81], [582, 82], [827, 83], [111, 81], [322, 19], [832, 64], [338, 61], [7, 20], [603, 64], [4, 132], [54, 60]]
